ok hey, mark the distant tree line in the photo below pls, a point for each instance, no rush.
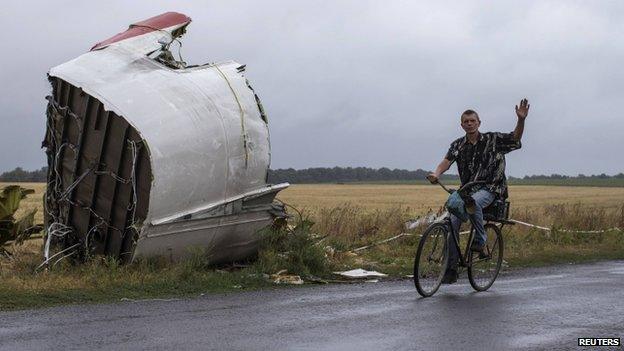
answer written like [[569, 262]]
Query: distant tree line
[[345, 175], [365, 174], [325, 175], [580, 176], [20, 175]]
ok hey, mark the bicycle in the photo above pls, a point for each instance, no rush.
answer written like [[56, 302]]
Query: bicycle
[[432, 254]]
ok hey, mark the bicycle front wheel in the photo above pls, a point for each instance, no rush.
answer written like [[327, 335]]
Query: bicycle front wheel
[[483, 270], [431, 259]]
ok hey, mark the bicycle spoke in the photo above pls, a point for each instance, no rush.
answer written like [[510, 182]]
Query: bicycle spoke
[[435, 244], [430, 261], [484, 270], [493, 246]]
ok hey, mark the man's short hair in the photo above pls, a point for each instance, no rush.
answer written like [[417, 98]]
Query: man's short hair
[[470, 112]]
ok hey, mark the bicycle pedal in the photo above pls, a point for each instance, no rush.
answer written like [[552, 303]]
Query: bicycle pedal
[[481, 255]]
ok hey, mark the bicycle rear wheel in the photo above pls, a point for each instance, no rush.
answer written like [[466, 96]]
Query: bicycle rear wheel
[[482, 271], [431, 259]]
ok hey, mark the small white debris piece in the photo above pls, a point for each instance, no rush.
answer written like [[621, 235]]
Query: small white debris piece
[[288, 279], [282, 278], [126, 299], [360, 273], [418, 221], [372, 281], [413, 223]]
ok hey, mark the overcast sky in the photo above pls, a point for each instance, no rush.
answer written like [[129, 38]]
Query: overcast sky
[[357, 83]]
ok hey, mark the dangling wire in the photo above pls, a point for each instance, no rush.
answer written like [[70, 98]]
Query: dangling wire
[[133, 206], [242, 113], [57, 202], [166, 57]]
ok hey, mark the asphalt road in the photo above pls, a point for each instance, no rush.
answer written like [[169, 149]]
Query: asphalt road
[[545, 308]]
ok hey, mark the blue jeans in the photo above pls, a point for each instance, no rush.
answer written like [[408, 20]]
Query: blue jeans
[[483, 199]]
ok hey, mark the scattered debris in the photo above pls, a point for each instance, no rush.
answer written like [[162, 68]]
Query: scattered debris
[[282, 278], [360, 273], [317, 238], [420, 221], [317, 280], [329, 251], [382, 241], [126, 299]]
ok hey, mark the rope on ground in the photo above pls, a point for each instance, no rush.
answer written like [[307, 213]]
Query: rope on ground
[[511, 220], [383, 241], [613, 229]]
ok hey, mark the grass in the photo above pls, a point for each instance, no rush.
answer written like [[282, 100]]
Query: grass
[[351, 226], [335, 219], [586, 182], [105, 280], [420, 198], [289, 249], [593, 182], [32, 201]]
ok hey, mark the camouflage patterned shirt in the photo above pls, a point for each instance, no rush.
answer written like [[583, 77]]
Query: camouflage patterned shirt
[[485, 160]]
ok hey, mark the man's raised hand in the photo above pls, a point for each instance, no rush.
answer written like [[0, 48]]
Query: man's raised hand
[[523, 111]]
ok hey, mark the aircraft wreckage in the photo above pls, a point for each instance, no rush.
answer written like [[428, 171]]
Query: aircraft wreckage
[[148, 156]]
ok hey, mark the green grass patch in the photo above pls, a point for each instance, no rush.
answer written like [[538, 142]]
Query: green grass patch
[[290, 249], [311, 246], [104, 280]]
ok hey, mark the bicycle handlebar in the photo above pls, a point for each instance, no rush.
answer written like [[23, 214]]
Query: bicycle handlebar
[[443, 187], [465, 186]]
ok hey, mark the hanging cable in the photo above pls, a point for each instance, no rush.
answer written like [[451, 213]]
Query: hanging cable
[[242, 113]]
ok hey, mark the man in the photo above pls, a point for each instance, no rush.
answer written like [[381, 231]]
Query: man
[[480, 157]]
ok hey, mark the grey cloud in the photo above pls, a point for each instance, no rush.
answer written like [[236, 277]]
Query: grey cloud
[[366, 83]]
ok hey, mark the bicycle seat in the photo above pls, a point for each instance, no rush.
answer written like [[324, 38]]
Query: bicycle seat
[[498, 210]]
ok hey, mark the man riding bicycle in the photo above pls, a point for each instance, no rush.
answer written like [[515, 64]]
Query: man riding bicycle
[[480, 157]]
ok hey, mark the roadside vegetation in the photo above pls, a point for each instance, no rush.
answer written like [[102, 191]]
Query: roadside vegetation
[[316, 242]]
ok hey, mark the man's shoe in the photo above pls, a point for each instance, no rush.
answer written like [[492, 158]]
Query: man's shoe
[[479, 248], [476, 247], [450, 277]]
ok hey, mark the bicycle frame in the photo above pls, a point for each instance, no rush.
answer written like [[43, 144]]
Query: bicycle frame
[[483, 266], [462, 259]]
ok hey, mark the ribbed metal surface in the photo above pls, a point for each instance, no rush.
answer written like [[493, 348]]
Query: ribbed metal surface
[[208, 144], [91, 185]]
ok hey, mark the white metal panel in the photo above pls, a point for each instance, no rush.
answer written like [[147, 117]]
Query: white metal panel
[[190, 119]]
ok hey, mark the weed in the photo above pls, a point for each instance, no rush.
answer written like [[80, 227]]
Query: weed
[[292, 248], [320, 242]]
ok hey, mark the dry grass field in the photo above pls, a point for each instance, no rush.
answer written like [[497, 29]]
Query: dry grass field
[[413, 199], [32, 201], [344, 217], [420, 198]]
